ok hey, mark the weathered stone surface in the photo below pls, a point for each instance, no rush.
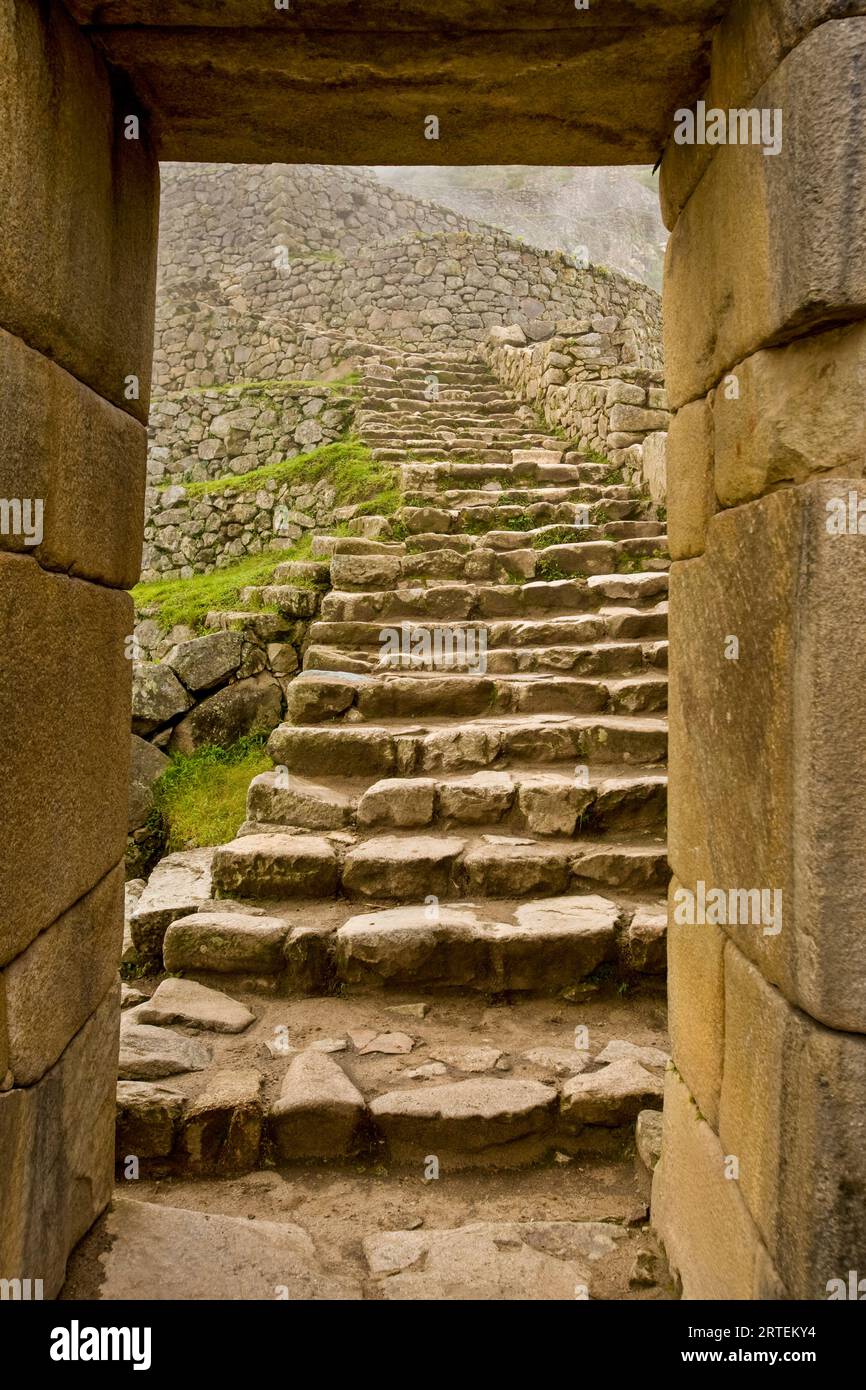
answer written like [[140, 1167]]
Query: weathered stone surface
[[287, 800], [147, 1116], [469, 1059], [250, 706], [490, 1261], [709, 1237], [148, 1053], [785, 209], [792, 1112], [480, 799], [157, 696], [653, 1058], [180, 884], [276, 866], [789, 694], [196, 1006], [58, 982], [318, 1111], [644, 944], [393, 867], [316, 696], [205, 661], [69, 738], [696, 1008], [400, 802], [612, 1096], [147, 763], [225, 943], [561, 1061], [691, 498], [74, 187], [648, 1138], [795, 415], [221, 1131], [146, 1252], [465, 1121], [389, 1044], [409, 944], [67, 1116], [590, 921], [82, 458]]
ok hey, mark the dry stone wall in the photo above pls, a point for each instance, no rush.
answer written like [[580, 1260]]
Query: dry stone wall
[[586, 379]]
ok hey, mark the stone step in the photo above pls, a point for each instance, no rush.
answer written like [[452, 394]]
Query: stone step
[[542, 801], [480, 563], [588, 659], [537, 538], [586, 630], [317, 696], [513, 511], [391, 1073], [420, 749], [459, 603]]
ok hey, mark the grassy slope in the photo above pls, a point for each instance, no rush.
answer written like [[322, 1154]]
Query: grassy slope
[[202, 797]]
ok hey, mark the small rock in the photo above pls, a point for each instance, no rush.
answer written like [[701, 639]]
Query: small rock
[[619, 1049], [425, 1073], [473, 1059], [644, 1271], [318, 1110], [329, 1045], [648, 1137], [129, 997], [392, 1044], [410, 1010], [359, 1037], [562, 1061], [612, 1096], [148, 1054], [184, 1001]]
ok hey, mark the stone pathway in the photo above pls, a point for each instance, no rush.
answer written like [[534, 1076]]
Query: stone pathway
[[436, 946]]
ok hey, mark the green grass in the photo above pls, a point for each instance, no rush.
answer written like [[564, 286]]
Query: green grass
[[202, 796], [347, 465], [188, 601]]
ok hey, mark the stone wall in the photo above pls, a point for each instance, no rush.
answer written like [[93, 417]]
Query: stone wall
[[585, 377], [761, 1188], [234, 220], [76, 295], [195, 534], [200, 434]]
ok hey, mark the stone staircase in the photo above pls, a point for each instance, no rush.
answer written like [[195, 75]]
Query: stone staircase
[[443, 917]]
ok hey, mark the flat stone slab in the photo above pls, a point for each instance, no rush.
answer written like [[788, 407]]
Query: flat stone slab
[[184, 1001], [226, 943], [613, 1096], [177, 886], [318, 1111], [487, 1261], [146, 1252], [561, 1061], [276, 866], [149, 1054], [467, 1118], [653, 1058]]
